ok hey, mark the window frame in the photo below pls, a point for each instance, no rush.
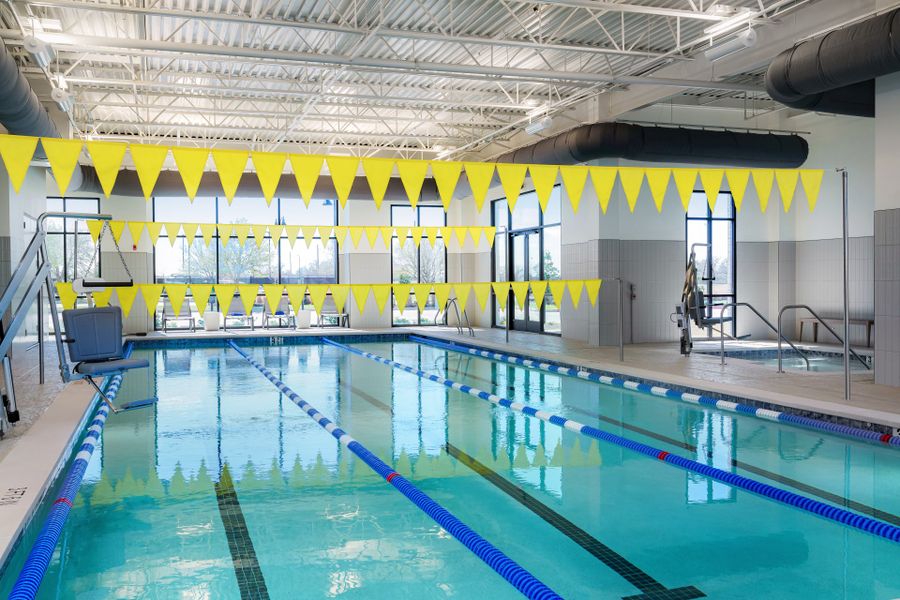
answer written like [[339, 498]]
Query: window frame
[[418, 220]]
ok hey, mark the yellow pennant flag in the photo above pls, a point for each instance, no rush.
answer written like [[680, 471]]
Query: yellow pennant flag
[[401, 295], [461, 233], [230, 164], [387, 234], [176, 293], [412, 174], [208, 230], [94, 228], [490, 233], [273, 293], [762, 181], [117, 228], [592, 288], [787, 185], [378, 174], [126, 296], [242, 232], [446, 176], [812, 183], [441, 294], [520, 291], [172, 230], [224, 296], [17, 151], [737, 184], [296, 293], [539, 290], [658, 182], [339, 294], [356, 233], [101, 298], [107, 158], [512, 176], [543, 177], [381, 291], [361, 295], [317, 293], [201, 292], [259, 233], [306, 169], [575, 288], [432, 233], [340, 234], [151, 293], [269, 167], [631, 179], [371, 235], [416, 233], [557, 290], [501, 293], [248, 293], [63, 157], [67, 296], [343, 174], [291, 232], [190, 162], [148, 162], [135, 229], [462, 291], [684, 182], [711, 180], [190, 231], [276, 232], [423, 293], [154, 228], [603, 178], [479, 175], [309, 234], [573, 179], [476, 233]]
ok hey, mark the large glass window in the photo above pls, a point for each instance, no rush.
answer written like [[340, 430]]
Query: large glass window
[[712, 234], [69, 243], [417, 264]]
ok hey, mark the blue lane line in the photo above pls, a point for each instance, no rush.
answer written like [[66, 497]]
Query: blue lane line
[[522, 580], [32, 573], [763, 413], [833, 513]]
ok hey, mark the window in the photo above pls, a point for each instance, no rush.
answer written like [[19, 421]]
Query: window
[[717, 228], [69, 243], [412, 264]]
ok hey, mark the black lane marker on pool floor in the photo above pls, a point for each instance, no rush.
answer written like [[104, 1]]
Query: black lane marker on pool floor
[[650, 588], [243, 556]]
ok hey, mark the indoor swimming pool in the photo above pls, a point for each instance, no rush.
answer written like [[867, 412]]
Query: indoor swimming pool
[[227, 489]]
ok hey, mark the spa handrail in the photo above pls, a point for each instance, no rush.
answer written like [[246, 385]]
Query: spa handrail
[[820, 320], [734, 305]]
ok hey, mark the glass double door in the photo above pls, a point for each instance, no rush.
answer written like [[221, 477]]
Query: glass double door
[[525, 258]]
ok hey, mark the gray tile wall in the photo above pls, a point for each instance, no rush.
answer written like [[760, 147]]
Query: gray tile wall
[[753, 286], [887, 297]]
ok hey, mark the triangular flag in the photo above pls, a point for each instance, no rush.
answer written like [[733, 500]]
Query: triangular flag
[[412, 174], [190, 231], [543, 177], [224, 296], [461, 233], [575, 288], [356, 233], [631, 179], [490, 233], [269, 167], [135, 229], [343, 174], [401, 295], [603, 178], [658, 182], [462, 291], [259, 233], [148, 161], [230, 164], [446, 176], [242, 232], [423, 293], [574, 179], [539, 290], [339, 294], [476, 233], [592, 287], [309, 234], [387, 234], [63, 157], [479, 175], [501, 293], [172, 230], [276, 232], [762, 181], [296, 293], [225, 230], [190, 162], [325, 236], [306, 169], [176, 293], [812, 183], [101, 298], [340, 234], [126, 296], [441, 294], [737, 184], [117, 228], [248, 293], [95, 227], [151, 293], [361, 295], [787, 185], [317, 293], [432, 233], [378, 174], [154, 228], [67, 296], [371, 235], [520, 291], [381, 291], [291, 232], [273, 293], [107, 158], [512, 176], [200, 293], [557, 289], [17, 152], [711, 180], [684, 182], [416, 234]]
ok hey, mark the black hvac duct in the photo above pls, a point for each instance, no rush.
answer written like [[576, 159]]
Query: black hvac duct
[[836, 72], [21, 112], [665, 144]]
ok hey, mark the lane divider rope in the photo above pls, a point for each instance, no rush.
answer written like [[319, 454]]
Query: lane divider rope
[[35, 567], [507, 568], [832, 513], [726, 405]]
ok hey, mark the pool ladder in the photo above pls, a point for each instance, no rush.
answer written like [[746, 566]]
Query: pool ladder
[[462, 319]]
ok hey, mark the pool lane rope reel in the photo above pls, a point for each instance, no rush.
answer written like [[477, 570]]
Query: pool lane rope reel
[[833, 513], [507, 568], [35, 567], [762, 413]]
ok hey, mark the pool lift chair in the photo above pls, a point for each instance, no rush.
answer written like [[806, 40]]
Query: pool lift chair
[[693, 307]]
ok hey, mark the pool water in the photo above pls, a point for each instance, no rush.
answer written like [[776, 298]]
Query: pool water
[[822, 364], [226, 489]]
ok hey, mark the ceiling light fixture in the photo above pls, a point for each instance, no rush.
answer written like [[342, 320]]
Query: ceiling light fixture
[[746, 39], [535, 127], [63, 99], [731, 23], [41, 52]]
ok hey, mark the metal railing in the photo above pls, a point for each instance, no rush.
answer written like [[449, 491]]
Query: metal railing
[[820, 320], [734, 306], [460, 328]]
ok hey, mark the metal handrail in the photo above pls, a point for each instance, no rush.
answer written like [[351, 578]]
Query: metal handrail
[[820, 320], [734, 305], [459, 317]]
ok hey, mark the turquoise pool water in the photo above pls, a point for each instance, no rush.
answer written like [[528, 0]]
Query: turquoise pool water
[[226, 489]]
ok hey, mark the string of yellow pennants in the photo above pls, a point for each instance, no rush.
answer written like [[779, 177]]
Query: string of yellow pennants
[[241, 231], [148, 160], [296, 294]]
